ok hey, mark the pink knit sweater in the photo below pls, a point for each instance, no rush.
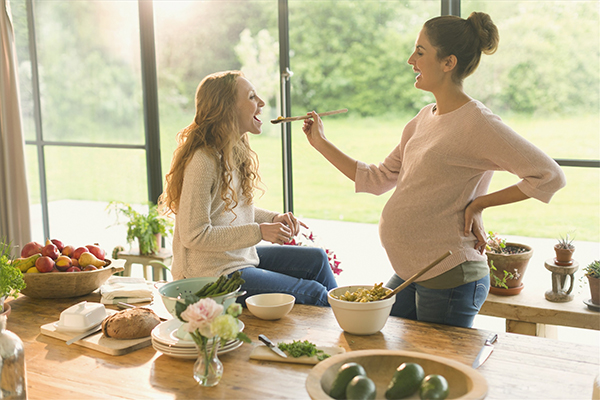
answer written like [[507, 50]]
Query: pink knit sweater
[[442, 163]]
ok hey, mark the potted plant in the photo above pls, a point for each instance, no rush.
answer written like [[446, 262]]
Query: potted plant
[[11, 278], [147, 229], [592, 271], [507, 262], [564, 251]]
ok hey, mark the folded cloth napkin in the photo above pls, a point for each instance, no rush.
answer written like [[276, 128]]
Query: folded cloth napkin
[[127, 289]]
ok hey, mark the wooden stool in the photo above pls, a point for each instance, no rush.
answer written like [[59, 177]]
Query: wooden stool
[[164, 256]]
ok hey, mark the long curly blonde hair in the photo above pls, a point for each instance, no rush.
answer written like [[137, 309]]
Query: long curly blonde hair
[[215, 128]]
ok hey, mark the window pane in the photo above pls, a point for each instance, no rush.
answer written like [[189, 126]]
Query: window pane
[[81, 182], [197, 38], [351, 54], [544, 77], [89, 67]]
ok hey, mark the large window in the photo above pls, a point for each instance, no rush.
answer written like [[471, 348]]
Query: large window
[[81, 83], [82, 99]]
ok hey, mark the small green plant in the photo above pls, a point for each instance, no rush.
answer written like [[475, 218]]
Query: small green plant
[[501, 282], [566, 242], [495, 243], [143, 227], [11, 278], [593, 269]]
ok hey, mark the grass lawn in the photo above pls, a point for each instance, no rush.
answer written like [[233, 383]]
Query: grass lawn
[[321, 192]]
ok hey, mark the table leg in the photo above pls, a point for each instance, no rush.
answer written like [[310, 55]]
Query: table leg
[[127, 268], [531, 329]]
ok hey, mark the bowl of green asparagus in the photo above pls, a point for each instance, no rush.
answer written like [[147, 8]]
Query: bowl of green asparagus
[[223, 289]]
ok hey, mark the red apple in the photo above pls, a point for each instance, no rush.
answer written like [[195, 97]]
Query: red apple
[[89, 268], [73, 269], [79, 251], [96, 250], [44, 264], [50, 250], [59, 245], [68, 250], [30, 249]]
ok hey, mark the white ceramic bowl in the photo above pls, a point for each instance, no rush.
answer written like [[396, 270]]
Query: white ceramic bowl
[[359, 318], [270, 305]]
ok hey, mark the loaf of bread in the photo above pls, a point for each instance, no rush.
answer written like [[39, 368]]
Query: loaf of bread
[[133, 323]]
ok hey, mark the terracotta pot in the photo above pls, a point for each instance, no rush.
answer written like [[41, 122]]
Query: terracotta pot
[[563, 256], [594, 289], [506, 292], [516, 264]]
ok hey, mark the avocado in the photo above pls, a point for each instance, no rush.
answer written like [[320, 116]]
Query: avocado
[[406, 381], [344, 376], [361, 388], [433, 387]]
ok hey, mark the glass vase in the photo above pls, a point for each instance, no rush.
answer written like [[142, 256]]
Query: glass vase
[[208, 369]]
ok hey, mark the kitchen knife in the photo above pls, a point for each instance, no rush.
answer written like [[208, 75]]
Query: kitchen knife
[[486, 350], [270, 345], [85, 334]]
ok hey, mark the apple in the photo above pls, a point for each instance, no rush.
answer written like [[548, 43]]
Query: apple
[[63, 263], [75, 262], [59, 245], [44, 264], [30, 249], [68, 250], [73, 269], [79, 251], [50, 250], [96, 250], [89, 268]]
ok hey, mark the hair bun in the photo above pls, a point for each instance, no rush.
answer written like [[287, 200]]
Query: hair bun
[[486, 30]]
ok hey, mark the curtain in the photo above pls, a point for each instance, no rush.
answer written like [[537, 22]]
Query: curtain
[[14, 197]]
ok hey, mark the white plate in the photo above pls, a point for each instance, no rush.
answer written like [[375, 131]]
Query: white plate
[[165, 333], [192, 354]]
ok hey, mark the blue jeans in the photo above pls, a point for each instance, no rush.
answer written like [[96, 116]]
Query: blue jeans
[[303, 272], [455, 306]]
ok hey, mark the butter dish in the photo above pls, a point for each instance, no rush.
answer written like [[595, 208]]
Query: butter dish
[[81, 317]]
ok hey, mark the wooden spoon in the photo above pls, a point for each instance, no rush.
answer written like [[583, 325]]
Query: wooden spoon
[[415, 276]]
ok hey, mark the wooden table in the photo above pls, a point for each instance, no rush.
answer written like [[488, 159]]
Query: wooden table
[[530, 313], [520, 367]]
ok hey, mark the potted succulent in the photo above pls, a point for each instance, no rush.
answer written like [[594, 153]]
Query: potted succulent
[[11, 278], [507, 262], [147, 229], [592, 271], [564, 251]]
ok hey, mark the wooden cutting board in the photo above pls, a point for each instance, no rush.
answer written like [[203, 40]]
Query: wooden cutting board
[[98, 341], [262, 352]]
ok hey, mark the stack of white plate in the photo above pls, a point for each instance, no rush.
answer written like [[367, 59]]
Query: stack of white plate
[[166, 340]]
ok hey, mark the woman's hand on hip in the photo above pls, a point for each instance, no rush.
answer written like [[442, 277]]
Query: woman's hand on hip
[[276, 232], [474, 223]]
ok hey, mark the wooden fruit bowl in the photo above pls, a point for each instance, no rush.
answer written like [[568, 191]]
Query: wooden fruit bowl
[[464, 382], [58, 285]]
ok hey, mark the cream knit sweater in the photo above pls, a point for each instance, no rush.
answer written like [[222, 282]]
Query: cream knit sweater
[[442, 163], [208, 241]]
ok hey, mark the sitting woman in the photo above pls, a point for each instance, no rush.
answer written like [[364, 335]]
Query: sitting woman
[[210, 186]]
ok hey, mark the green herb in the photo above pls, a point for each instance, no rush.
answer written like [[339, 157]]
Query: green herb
[[11, 278], [298, 349]]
